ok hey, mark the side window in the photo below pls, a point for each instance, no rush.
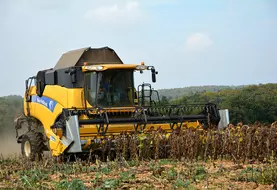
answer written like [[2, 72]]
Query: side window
[[33, 82], [91, 86]]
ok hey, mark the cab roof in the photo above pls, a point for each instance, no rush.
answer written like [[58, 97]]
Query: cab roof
[[93, 56]]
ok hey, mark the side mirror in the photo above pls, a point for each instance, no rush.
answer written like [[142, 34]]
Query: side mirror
[[27, 96], [40, 88], [40, 83], [154, 72], [26, 84]]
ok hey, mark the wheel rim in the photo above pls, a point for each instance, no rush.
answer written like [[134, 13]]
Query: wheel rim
[[27, 148]]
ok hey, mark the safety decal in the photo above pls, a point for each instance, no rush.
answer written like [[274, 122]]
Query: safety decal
[[45, 101]]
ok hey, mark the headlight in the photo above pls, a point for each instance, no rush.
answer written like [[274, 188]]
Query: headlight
[[93, 68], [141, 67]]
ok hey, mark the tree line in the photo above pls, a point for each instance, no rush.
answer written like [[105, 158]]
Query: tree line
[[248, 104], [175, 93]]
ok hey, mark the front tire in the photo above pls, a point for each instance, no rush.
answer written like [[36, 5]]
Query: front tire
[[32, 146]]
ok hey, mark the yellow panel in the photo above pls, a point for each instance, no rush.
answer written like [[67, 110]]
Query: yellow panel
[[41, 111], [91, 130]]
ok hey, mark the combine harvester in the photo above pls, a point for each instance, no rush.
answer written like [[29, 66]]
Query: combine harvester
[[89, 97]]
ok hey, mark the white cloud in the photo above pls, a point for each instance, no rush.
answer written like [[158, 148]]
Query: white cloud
[[198, 42], [117, 13]]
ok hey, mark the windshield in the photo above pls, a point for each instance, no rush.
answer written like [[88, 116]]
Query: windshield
[[111, 88]]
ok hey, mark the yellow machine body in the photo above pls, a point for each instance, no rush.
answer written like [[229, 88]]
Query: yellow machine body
[[74, 98], [64, 89]]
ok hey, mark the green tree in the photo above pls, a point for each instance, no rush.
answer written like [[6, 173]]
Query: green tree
[[248, 104]]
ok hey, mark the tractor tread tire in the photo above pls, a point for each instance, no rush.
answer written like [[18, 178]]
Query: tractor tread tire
[[36, 144]]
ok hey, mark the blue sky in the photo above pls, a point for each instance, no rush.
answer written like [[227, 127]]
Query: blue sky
[[189, 42]]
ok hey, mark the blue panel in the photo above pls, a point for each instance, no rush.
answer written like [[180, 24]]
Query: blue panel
[[45, 101]]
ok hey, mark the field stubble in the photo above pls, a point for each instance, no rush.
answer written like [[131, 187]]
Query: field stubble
[[241, 157]]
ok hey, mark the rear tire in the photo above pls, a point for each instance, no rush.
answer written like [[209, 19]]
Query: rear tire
[[32, 146]]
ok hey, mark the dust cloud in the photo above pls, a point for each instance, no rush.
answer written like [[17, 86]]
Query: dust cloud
[[8, 144]]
